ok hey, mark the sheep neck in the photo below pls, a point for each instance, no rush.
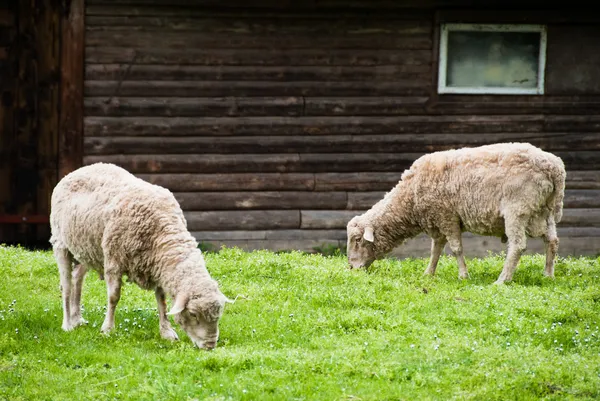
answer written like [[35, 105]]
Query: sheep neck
[[182, 268], [392, 219]]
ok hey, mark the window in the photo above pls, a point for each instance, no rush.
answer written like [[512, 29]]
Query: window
[[492, 59]]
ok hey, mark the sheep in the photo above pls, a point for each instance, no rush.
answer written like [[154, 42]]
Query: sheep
[[104, 218], [507, 190]]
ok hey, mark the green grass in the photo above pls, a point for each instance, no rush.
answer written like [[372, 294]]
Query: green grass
[[309, 329]]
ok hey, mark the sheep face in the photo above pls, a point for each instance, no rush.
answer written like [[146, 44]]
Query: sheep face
[[199, 317], [360, 248]]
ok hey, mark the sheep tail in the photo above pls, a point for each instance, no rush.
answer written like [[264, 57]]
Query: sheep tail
[[558, 195]]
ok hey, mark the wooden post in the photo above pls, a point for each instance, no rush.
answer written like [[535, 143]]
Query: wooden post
[[70, 147]]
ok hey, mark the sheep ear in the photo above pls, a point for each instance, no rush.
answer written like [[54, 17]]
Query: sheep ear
[[179, 305], [368, 234]]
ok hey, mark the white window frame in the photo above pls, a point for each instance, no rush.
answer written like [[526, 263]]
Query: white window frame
[[443, 59]]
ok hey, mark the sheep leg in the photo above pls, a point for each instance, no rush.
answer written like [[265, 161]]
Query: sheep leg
[[517, 243], [113, 287], [166, 331], [455, 242], [551, 244], [63, 260], [78, 275], [437, 246]]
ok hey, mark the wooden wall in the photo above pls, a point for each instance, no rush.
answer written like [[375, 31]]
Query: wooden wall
[[30, 89], [273, 127]]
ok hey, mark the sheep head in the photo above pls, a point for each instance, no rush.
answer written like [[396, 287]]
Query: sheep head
[[198, 313], [361, 244]]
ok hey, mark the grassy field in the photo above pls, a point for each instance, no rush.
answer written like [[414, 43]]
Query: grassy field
[[309, 329]]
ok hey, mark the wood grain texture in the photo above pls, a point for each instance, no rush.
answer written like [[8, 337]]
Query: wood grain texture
[[279, 200], [224, 182], [285, 73], [72, 86], [290, 126], [260, 163], [403, 143], [267, 57], [242, 220], [311, 110], [255, 88]]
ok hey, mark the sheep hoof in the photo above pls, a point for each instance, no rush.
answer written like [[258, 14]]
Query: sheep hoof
[[429, 272], [499, 282], [67, 327], [78, 321], [169, 334], [463, 276]]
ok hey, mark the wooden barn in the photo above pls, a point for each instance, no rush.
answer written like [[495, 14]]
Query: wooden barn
[[276, 121]]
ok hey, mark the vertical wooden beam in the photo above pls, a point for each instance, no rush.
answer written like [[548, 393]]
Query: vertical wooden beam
[[24, 174], [8, 89], [48, 109], [70, 147]]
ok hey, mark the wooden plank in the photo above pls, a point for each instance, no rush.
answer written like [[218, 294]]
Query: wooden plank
[[190, 107], [268, 4], [150, 39], [365, 106], [47, 72], [267, 20], [356, 181], [580, 217], [412, 143], [72, 63], [290, 126], [574, 232], [336, 219], [232, 182], [294, 163], [271, 235], [572, 123], [502, 104], [267, 163], [364, 200], [158, 72], [400, 87], [574, 198], [242, 220], [330, 219], [534, 15], [272, 57], [582, 198], [583, 180], [273, 200], [580, 160]]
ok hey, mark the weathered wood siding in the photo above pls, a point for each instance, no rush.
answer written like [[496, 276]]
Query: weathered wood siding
[[274, 127], [29, 87]]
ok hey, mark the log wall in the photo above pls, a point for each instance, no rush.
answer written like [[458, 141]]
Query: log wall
[[275, 125]]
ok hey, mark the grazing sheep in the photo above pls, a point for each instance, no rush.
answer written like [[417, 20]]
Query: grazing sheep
[[508, 190], [108, 220]]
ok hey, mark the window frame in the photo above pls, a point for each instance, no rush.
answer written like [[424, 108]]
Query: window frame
[[490, 90]]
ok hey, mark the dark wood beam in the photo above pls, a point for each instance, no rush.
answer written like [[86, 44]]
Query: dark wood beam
[[72, 78]]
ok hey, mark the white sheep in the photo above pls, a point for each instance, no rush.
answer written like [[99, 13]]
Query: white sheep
[[508, 190], [106, 219]]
